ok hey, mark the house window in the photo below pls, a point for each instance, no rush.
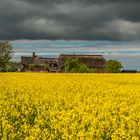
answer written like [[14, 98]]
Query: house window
[[55, 65]]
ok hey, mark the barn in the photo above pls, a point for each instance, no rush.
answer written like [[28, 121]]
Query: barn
[[92, 61]]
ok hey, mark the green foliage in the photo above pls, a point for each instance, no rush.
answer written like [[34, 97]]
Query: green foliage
[[11, 67], [73, 65], [113, 66], [94, 70], [6, 54], [14, 66], [31, 66], [83, 68], [46, 67], [7, 68]]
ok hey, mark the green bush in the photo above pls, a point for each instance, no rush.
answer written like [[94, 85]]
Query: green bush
[[31, 66], [73, 65], [113, 66], [46, 67], [94, 70]]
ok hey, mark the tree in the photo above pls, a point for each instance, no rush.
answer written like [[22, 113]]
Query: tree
[[73, 65], [31, 67], [83, 68], [46, 67], [113, 66], [6, 54], [13, 66]]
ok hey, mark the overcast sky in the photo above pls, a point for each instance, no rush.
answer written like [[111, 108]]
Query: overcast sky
[[70, 19]]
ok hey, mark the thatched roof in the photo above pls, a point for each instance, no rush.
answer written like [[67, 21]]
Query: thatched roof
[[82, 55], [25, 59], [36, 60]]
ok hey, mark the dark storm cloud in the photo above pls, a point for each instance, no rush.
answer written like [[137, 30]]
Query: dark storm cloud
[[82, 1], [70, 19]]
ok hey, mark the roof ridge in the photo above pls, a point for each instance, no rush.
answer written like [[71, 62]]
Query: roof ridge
[[83, 54]]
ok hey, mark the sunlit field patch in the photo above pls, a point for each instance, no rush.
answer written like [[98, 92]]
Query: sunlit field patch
[[69, 106]]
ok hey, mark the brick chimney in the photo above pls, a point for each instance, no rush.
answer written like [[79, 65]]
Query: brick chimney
[[34, 54]]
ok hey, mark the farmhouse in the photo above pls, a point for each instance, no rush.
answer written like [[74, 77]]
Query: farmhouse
[[57, 64], [39, 63]]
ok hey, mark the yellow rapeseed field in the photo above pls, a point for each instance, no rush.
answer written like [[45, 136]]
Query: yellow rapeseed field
[[41, 106]]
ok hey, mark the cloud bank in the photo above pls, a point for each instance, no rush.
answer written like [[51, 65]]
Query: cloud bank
[[70, 19]]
